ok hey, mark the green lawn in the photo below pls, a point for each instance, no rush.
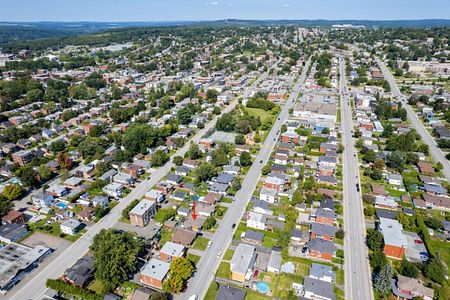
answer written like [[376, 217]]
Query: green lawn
[[265, 116], [96, 286], [228, 255], [224, 270], [253, 295], [443, 249], [166, 235], [282, 284], [200, 243], [193, 258], [212, 291]]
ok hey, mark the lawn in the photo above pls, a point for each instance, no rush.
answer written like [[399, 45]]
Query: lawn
[[224, 270], [96, 286], [193, 258], [282, 284], [443, 249], [212, 291], [200, 243], [265, 116], [253, 295], [166, 235], [228, 255]]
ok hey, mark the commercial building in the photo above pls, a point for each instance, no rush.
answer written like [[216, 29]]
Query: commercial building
[[141, 214]]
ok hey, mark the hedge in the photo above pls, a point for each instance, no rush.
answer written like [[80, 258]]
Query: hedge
[[64, 287]]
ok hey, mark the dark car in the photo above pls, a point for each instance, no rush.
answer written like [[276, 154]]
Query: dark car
[[233, 226]]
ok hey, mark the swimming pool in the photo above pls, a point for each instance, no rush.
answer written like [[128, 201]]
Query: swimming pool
[[61, 205], [262, 287]]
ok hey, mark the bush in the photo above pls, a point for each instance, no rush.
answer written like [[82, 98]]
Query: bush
[[130, 206], [63, 287]]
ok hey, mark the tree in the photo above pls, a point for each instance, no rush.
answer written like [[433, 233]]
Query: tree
[[435, 271], [245, 159], [180, 270], [409, 269], [158, 296], [127, 209], [159, 158], [44, 172], [219, 158], [5, 205], [194, 151], [184, 115], [211, 95], [374, 239], [204, 172], [239, 139], [369, 156], [12, 192], [96, 131], [115, 256], [90, 147], [178, 160], [382, 280], [27, 176], [64, 161], [209, 223], [58, 145], [297, 197]]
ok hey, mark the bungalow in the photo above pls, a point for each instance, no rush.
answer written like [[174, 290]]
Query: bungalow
[[73, 182], [321, 249], [182, 171], [256, 220], [100, 201], [426, 168], [409, 288], [268, 195], [229, 169], [155, 195], [42, 199], [322, 272], [324, 216], [57, 190], [433, 189], [290, 137], [183, 211], [227, 292], [174, 179], [164, 187], [329, 180], [261, 207], [280, 160], [242, 262], [430, 180], [133, 170], [378, 190], [394, 179], [108, 176], [124, 179], [318, 289], [275, 260], [242, 148], [14, 217], [212, 198], [299, 238], [323, 231], [253, 237], [70, 227], [87, 171], [191, 163], [324, 147], [395, 242], [179, 195], [204, 209], [171, 251], [217, 187], [184, 237], [114, 190], [386, 203], [81, 273], [208, 144], [437, 202], [154, 273]]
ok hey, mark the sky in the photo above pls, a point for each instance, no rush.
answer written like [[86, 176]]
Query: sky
[[176, 10]]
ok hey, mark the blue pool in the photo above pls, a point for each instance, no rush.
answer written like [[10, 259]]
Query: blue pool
[[262, 287], [61, 205]]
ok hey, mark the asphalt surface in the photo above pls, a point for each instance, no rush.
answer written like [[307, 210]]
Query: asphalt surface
[[209, 262], [36, 289], [356, 266], [435, 152]]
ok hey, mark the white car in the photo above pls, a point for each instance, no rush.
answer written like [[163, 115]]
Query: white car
[[219, 254], [193, 297], [209, 244]]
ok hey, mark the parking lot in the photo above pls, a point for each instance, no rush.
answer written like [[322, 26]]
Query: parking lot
[[415, 248]]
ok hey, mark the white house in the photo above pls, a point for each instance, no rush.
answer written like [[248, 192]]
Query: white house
[[256, 220], [394, 179], [114, 190], [70, 227], [268, 195]]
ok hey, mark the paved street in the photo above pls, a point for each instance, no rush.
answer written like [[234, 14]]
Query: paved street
[[222, 239], [435, 152], [35, 288], [356, 267]]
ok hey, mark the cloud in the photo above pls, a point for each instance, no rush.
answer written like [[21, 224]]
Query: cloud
[[286, 5], [212, 3]]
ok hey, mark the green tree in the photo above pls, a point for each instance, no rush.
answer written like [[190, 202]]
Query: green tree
[[115, 256], [12, 192], [158, 296], [435, 271], [409, 269], [178, 160], [219, 158], [44, 172], [297, 197], [184, 115], [369, 156], [204, 172], [159, 158], [27, 176], [209, 223], [382, 280], [245, 159], [374, 239], [180, 270], [239, 139], [58, 145], [5, 205], [194, 151]]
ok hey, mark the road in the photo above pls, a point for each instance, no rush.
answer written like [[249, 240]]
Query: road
[[35, 288], [208, 264], [435, 152], [356, 266]]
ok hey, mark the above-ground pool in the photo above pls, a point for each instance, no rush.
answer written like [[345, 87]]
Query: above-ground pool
[[262, 287], [61, 205]]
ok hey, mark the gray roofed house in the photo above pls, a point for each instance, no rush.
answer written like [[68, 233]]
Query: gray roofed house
[[179, 195], [327, 204], [182, 170], [279, 168], [231, 169], [174, 179], [107, 176], [321, 245], [242, 262], [155, 269], [388, 214], [317, 289], [324, 231], [327, 179], [81, 273], [225, 178], [325, 213], [322, 272], [227, 292], [100, 201], [434, 189], [218, 188], [274, 262], [253, 237]]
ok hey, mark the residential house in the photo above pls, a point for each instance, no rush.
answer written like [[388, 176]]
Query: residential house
[[227, 292], [323, 231], [395, 242], [253, 237], [318, 290], [321, 249], [171, 251], [100, 201], [408, 288], [155, 195], [242, 262], [10, 233], [268, 195], [70, 227], [275, 260], [81, 273], [141, 214], [154, 273], [114, 190], [394, 179], [257, 221], [14, 217], [184, 237], [42, 199]]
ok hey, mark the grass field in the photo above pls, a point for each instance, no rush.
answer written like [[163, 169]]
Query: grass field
[[443, 249], [228, 255], [212, 291], [265, 116], [194, 258], [224, 270], [200, 243]]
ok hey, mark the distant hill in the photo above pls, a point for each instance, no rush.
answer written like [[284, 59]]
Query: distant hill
[[12, 32]]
